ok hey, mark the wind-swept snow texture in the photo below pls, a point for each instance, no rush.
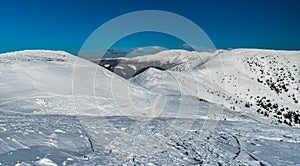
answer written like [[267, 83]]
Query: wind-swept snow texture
[[238, 107]]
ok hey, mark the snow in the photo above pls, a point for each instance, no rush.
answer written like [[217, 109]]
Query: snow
[[228, 80], [129, 66], [133, 67], [45, 162], [58, 109]]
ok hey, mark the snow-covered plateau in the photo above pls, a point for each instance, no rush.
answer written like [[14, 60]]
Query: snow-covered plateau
[[176, 107]]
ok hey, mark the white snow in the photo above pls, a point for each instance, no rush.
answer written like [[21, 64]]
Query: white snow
[[133, 67], [168, 56], [45, 162], [57, 109]]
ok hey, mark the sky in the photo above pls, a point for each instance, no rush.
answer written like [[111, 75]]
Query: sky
[[66, 24]]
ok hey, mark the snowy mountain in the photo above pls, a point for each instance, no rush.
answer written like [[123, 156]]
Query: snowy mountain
[[131, 66], [175, 108], [265, 80]]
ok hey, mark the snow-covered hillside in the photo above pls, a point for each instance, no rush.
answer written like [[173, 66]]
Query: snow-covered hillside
[[55, 82], [203, 108], [265, 80], [262, 81]]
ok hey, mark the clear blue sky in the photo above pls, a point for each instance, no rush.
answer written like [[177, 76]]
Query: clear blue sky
[[65, 24]]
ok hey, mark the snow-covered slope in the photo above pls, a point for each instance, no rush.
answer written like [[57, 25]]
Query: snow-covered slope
[[263, 81], [267, 80], [38, 85], [55, 82], [57, 109]]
